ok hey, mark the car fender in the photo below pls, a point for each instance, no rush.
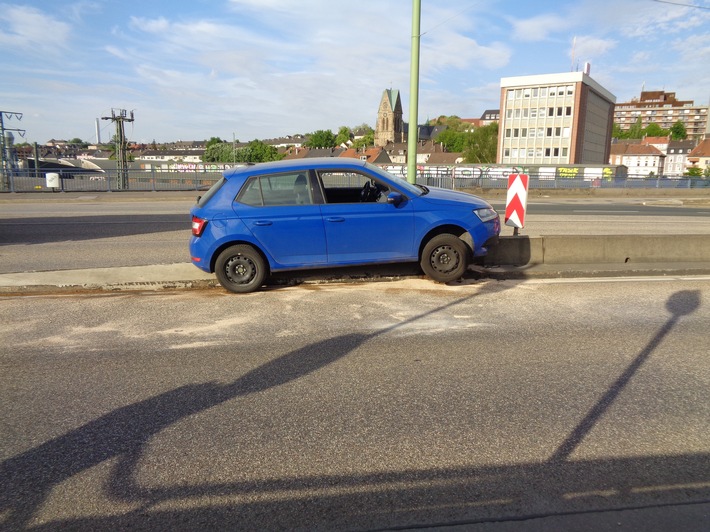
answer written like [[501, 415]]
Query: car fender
[[231, 231]]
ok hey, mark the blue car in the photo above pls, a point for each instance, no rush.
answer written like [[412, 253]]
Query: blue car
[[328, 212]]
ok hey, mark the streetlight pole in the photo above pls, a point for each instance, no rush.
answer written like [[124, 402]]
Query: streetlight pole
[[413, 133]]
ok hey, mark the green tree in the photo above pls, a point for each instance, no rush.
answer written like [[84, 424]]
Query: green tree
[[482, 145], [257, 152], [321, 139], [367, 141], [678, 131], [220, 152], [617, 132], [635, 131], [213, 140], [453, 141], [654, 130], [343, 136], [694, 171]]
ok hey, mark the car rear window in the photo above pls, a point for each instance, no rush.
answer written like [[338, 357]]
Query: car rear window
[[207, 196]]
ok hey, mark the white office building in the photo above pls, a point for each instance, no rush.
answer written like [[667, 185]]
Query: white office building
[[554, 119]]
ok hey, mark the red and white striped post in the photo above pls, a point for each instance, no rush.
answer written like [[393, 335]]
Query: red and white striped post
[[517, 201]]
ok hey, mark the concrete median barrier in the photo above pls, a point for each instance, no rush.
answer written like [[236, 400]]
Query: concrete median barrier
[[609, 249]]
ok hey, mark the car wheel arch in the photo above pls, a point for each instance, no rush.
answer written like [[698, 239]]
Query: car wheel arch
[[225, 245], [456, 230]]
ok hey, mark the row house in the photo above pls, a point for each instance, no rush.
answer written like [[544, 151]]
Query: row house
[[642, 160], [700, 156]]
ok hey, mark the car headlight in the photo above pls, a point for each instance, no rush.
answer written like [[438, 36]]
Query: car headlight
[[486, 214]]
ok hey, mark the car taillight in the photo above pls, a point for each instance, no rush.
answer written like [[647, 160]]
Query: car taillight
[[198, 225]]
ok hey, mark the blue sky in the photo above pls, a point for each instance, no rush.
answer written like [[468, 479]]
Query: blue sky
[[191, 70]]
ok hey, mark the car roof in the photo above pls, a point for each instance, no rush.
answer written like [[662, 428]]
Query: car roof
[[296, 165]]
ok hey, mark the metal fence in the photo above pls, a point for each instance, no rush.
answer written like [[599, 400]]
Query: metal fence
[[453, 177]]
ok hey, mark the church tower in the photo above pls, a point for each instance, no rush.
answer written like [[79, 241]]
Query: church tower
[[389, 126]]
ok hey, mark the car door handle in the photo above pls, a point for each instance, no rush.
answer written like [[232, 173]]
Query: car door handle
[[262, 223], [335, 219]]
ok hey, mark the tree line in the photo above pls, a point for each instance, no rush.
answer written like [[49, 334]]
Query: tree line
[[477, 146]]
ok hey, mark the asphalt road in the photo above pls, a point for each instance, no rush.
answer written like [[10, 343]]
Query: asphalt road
[[488, 405], [62, 232]]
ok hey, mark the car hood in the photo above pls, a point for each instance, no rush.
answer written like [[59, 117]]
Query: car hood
[[442, 195]]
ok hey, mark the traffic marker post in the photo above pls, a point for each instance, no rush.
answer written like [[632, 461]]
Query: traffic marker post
[[516, 202]]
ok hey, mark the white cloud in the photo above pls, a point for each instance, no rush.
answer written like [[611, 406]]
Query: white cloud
[[538, 28], [32, 31], [587, 48]]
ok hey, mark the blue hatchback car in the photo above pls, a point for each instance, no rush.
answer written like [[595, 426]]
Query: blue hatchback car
[[328, 212]]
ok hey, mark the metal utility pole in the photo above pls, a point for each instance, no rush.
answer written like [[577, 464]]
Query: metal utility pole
[[412, 139], [119, 116], [5, 148]]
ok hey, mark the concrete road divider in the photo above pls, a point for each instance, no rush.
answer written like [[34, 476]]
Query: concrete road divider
[[589, 249]]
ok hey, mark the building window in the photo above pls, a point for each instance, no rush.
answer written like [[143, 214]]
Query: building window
[[568, 111], [559, 111], [543, 92], [535, 92], [533, 112], [564, 152]]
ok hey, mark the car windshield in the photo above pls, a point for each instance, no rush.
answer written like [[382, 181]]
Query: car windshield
[[401, 183]]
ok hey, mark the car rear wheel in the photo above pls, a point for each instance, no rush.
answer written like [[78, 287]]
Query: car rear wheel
[[445, 258], [240, 269]]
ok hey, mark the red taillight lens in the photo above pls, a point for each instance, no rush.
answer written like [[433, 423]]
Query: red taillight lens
[[198, 225]]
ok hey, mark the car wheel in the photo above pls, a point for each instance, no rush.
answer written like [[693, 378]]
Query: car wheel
[[445, 258], [240, 269]]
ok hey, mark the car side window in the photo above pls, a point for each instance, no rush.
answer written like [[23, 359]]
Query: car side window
[[352, 187], [291, 188]]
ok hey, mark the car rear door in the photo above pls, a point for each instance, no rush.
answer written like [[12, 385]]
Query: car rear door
[[281, 212]]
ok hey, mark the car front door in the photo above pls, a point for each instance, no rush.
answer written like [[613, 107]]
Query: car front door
[[363, 227]]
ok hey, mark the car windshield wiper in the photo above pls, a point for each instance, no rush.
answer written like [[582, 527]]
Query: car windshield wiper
[[424, 189]]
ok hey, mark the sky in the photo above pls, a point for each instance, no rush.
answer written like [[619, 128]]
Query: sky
[[261, 69]]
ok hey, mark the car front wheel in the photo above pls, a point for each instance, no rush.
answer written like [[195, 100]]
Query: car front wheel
[[445, 258], [240, 269]]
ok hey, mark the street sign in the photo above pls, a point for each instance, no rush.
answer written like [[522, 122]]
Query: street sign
[[517, 201]]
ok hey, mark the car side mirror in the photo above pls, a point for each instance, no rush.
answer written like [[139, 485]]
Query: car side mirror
[[394, 198]]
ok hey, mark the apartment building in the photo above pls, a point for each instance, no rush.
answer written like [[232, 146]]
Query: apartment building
[[554, 119], [664, 109]]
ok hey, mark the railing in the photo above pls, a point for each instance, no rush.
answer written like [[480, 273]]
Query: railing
[[452, 177]]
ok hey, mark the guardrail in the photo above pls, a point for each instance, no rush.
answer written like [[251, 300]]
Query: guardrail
[[456, 177]]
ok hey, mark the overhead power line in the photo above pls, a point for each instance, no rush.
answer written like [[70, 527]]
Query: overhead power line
[[694, 6]]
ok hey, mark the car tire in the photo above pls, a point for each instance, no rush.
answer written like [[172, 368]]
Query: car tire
[[445, 258], [240, 269]]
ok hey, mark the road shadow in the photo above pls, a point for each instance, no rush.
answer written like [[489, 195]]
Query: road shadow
[[415, 497], [43, 230]]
